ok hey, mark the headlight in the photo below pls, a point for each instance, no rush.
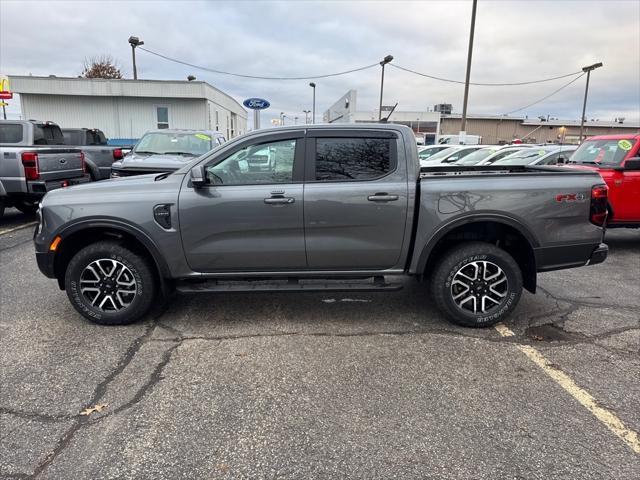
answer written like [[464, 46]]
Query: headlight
[[40, 226]]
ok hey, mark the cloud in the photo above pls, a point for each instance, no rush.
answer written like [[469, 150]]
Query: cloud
[[515, 41]]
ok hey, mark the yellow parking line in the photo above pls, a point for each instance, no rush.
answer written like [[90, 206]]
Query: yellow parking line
[[608, 418], [26, 225]]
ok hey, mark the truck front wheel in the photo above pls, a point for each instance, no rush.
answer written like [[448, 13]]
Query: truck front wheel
[[110, 284], [476, 284]]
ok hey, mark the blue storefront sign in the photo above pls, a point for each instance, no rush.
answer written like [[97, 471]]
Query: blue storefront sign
[[256, 103]]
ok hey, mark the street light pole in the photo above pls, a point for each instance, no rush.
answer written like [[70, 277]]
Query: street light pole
[[134, 42], [313, 115], [586, 92], [463, 125], [306, 115], [384, 61]]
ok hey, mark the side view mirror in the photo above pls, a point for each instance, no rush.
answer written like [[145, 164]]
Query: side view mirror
[[632, 163], [198, 176], [562, 161]]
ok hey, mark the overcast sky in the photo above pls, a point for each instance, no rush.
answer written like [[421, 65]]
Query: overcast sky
[[514, 41]]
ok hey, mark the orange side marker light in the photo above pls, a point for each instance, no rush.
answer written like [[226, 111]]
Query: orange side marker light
[[55, 243]]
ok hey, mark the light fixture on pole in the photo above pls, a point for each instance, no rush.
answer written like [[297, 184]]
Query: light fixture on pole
[[586, 91], [384, 61], [134, 42], [306, 115], [313, 109]]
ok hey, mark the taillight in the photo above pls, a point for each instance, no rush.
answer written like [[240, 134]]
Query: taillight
[[83, 163], [30, 164], [117, 154], [598, 214]]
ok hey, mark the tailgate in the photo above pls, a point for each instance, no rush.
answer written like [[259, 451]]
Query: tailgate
[[60, 163], [101, 155]]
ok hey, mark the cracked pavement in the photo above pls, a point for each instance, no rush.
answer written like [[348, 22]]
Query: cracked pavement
[[313, 385]]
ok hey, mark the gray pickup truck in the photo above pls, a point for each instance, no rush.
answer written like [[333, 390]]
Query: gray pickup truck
[[34, 161], [320, 208], [98, 155]]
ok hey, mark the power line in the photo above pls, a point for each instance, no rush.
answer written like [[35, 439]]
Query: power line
[[433, 77], [548, 96], [207, 69]]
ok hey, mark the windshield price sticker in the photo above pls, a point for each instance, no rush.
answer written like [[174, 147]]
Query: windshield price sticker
[[202, 136], [625, 145]]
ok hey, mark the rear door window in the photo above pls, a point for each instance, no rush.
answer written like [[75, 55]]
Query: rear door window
[[11, 133], [340, 159], [48, 135]]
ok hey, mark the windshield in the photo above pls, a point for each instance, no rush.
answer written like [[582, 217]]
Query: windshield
[[189, 144], [502, 154], [476, 157], [523, 157], [428, 152], [607, 153], [441, 155]]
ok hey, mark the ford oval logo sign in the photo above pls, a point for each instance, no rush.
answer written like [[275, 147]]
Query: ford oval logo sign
[[256, 103]]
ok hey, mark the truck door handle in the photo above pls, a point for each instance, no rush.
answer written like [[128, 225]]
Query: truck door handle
[[382, 197], [279, 200]]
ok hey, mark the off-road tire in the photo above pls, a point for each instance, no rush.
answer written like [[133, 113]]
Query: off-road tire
[[466, 254], [140, 269]]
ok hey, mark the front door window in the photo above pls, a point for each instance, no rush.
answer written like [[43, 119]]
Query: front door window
[[267, 163]]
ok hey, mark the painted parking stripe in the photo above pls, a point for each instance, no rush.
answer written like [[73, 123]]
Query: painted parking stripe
[[26, 225], [607, 417]]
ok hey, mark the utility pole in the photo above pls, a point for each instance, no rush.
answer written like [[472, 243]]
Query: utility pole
[[134, 42], [313, 115], [586, 92], [463, 124], [384, 61]]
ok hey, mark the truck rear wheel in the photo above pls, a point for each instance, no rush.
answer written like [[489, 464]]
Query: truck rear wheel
[[476, 284], [110, 284]]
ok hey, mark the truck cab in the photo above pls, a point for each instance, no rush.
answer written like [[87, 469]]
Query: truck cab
[[617, 159]]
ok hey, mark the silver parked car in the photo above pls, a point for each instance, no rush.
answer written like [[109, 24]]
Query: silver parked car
[[450, 155], [502, 153], [547, 155], [425, 152]]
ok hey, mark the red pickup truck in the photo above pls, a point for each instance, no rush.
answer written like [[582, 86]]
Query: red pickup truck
[[617, 158]]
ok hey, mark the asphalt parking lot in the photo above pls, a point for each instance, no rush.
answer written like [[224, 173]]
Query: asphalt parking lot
[[321, 385]]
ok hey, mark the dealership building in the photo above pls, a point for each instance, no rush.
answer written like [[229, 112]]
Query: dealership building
[[125, 109], [494, 129], [345, 110]]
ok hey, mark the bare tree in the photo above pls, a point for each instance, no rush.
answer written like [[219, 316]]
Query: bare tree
[[103, 66]]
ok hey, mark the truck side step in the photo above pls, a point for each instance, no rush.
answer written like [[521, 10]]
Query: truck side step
[[287, 285]]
